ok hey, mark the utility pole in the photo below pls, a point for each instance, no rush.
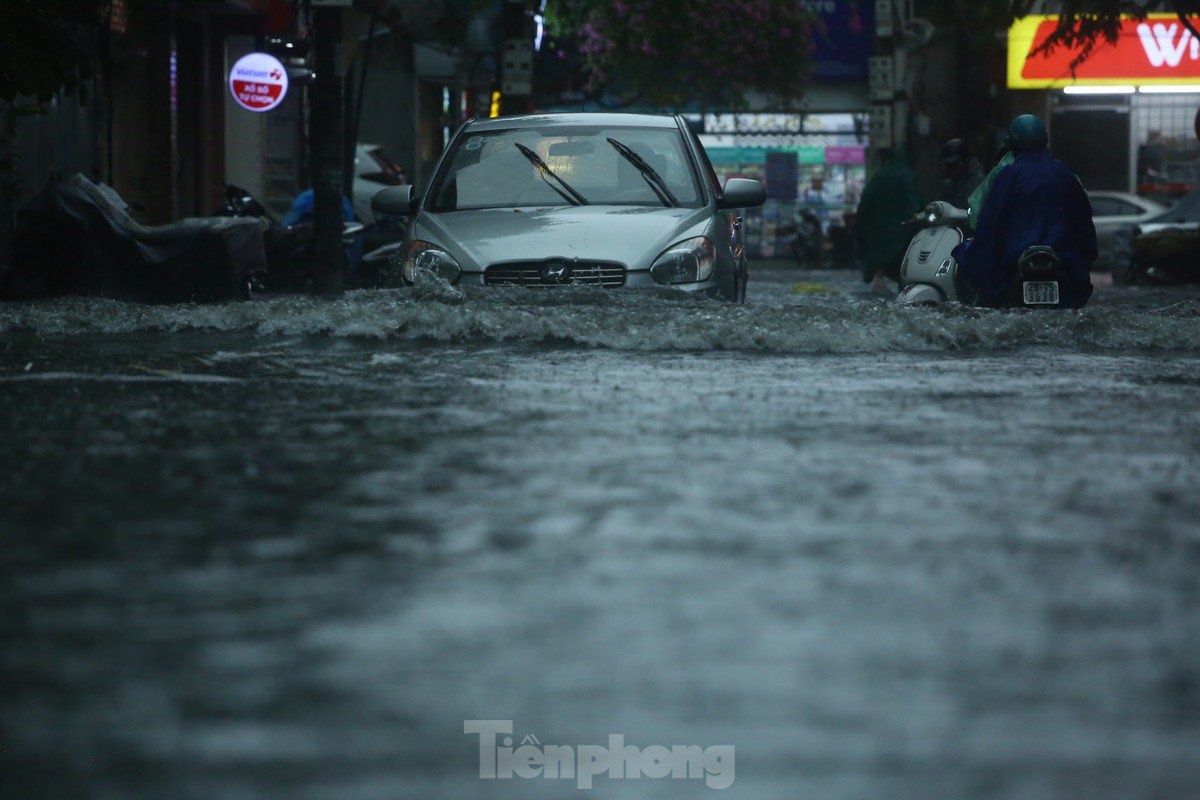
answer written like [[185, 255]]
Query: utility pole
[[516, 62], [325, 155], [887, 122]]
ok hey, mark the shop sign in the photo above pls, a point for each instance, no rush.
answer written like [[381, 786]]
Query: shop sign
[[752, 123], [1156, 51], [845, 155], [804, 155], [258, 82], [811, 155], [736, 155], [844, 44]]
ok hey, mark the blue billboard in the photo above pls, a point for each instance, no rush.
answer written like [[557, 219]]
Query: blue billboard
[[845, 40]]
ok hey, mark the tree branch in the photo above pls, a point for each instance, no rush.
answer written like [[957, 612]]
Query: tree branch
[[1181, 10]]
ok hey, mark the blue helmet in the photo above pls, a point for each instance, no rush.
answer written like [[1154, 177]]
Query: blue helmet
[[1027, 132]]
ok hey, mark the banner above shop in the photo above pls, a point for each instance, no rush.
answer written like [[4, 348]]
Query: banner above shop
[[804, 155], [1157, 51]]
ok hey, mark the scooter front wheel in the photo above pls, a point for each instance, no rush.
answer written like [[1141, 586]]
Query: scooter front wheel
[[920, 294]]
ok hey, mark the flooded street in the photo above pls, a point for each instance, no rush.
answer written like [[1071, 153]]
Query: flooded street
[[286, 548]]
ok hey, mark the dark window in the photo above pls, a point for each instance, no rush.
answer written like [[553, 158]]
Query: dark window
[[1095, 143]]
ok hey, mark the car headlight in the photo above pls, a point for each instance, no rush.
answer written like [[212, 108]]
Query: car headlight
[[690, 261], [426, 256]]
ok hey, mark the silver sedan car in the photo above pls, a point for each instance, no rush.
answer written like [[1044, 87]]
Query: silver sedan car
[[548, 200]]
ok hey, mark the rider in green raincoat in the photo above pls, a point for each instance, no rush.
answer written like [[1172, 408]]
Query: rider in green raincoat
[[981, 191]]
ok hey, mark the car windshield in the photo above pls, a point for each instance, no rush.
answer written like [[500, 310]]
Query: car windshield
[[567, 165]]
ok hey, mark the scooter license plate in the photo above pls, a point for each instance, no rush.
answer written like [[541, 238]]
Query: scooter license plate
[[1040, 293]]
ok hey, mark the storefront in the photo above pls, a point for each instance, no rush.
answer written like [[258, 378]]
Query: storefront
[[1126, 120], [809, 163]]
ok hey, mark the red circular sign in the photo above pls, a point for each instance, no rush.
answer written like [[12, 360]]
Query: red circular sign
[[258, 82]]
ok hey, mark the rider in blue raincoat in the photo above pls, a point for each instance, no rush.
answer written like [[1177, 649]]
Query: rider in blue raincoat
[[1036, 200]]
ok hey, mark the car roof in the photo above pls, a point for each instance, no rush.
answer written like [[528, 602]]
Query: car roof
[[576, 118]]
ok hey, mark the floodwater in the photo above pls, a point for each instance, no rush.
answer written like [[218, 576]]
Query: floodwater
[[284, 549]]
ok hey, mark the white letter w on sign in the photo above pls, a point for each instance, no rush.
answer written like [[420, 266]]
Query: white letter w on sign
[[1160, 46]]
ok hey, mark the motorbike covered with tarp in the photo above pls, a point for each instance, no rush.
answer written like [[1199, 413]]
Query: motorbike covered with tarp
[[1169, 255], [77, 238]]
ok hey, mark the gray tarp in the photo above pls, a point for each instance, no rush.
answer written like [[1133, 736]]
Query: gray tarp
[[77, 238]]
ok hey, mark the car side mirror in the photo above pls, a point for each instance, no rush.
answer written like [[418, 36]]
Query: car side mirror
[[399, 201], [742, 193]]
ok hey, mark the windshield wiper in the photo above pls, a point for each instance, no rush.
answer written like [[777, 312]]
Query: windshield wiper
[[656, 182], [570, 195]]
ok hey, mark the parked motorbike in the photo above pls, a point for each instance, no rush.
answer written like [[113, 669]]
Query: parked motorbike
[[290, 249], [1166, 256], [929, 272], [76, 237], [809, 245]]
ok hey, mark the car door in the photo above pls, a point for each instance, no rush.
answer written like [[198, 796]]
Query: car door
[[1104, 212], [1106, 216], [1112, 211]]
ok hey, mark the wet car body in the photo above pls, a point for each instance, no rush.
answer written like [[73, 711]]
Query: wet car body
[[1183, 217], [611, 200], [1113, 211]]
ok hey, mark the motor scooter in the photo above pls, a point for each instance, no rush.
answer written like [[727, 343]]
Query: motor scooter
[[808, 248], [290, 249], [929, 272]]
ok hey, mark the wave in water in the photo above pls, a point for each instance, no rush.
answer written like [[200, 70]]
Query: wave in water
[[654, 321]]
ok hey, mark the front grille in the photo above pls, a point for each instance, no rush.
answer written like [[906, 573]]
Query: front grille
[[534, 273]]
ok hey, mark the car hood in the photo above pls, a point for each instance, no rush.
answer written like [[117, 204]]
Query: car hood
[[1155, 227], [630, 235]]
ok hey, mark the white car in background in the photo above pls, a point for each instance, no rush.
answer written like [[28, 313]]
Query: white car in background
[[373, 171], [1112, 211]]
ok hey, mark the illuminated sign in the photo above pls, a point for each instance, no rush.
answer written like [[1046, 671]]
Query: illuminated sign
[[258, 82], [1156, 51]]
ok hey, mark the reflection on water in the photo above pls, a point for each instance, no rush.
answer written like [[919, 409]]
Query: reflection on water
[[284, 549]]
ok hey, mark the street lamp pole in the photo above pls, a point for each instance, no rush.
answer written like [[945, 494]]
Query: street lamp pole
[[325, 123]]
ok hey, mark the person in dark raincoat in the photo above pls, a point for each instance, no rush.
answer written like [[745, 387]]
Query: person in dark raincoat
[[1035, 200], [964, 173], [889, 199]]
